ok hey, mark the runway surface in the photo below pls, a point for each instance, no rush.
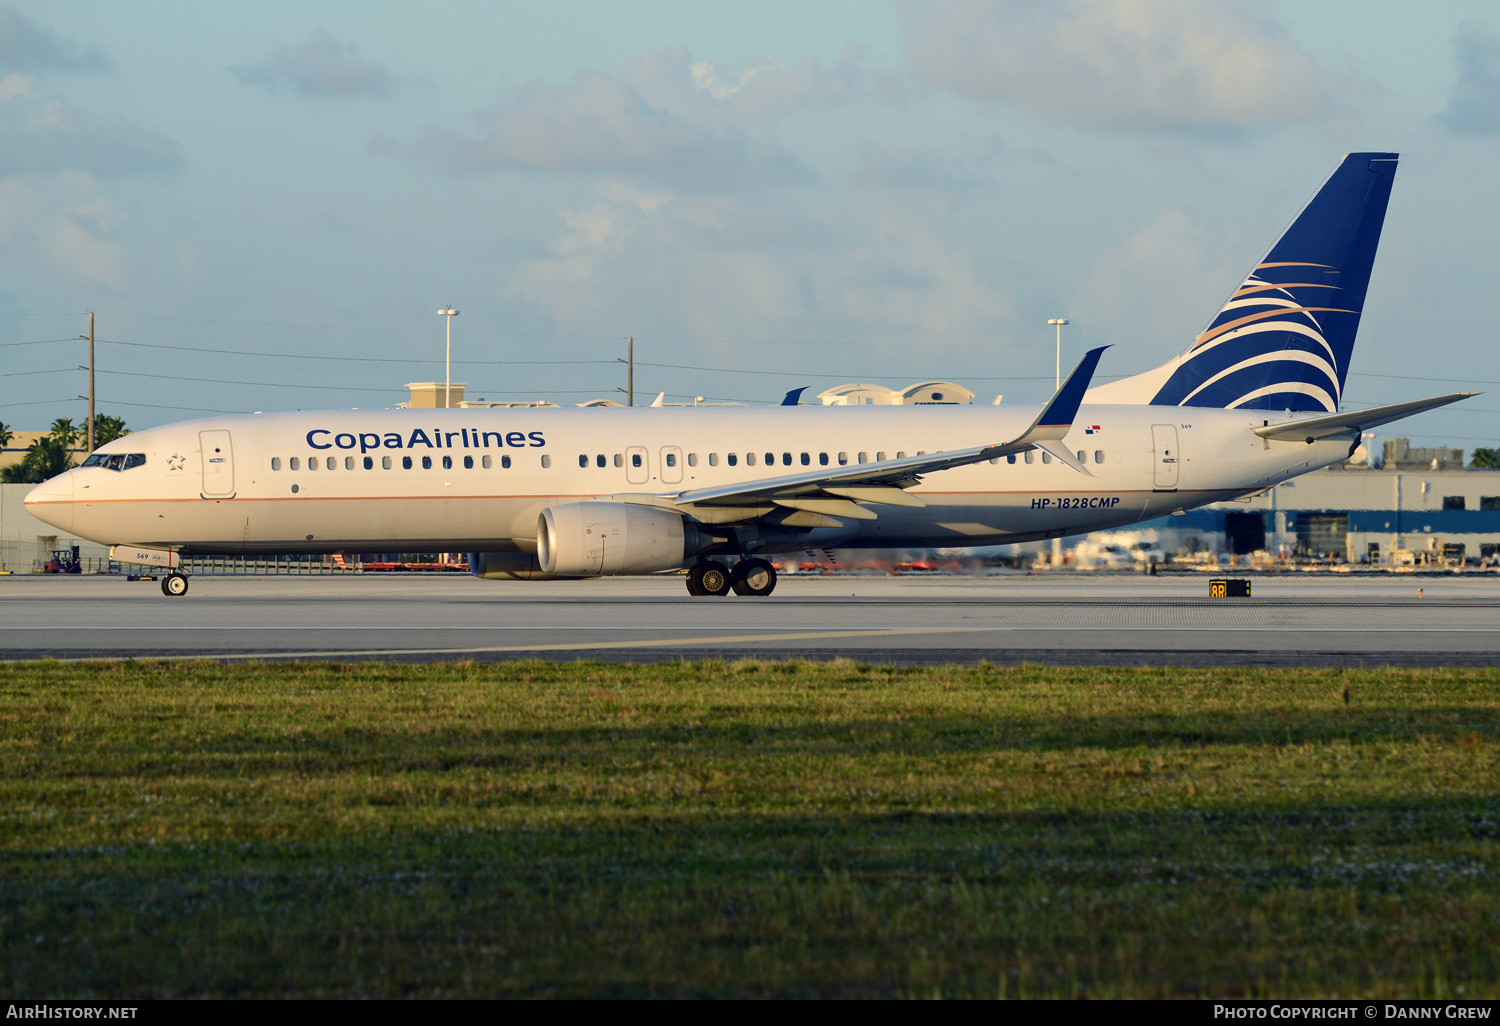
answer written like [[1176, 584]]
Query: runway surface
[[1293, 619]]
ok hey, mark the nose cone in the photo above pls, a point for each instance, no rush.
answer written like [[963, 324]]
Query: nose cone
[[52, 501]]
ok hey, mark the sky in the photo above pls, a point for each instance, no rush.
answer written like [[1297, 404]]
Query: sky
[[265, 205]]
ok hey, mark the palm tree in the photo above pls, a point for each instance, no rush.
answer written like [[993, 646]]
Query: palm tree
[[64, 431], [6, 434], [107, 429], [47, 457]]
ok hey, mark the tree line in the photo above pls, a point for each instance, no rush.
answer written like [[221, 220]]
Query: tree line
[[54, 452]]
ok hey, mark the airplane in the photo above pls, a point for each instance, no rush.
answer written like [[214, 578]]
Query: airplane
[[558, 493]]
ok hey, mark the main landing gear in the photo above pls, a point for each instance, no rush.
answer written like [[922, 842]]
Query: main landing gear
[[174, 584], [754, 577]]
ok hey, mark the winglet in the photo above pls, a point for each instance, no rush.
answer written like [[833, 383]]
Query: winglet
[[1056, 418], [794, 397]]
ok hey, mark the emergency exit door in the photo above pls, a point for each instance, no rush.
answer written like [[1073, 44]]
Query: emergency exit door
[[218, 464], [1164, 444]]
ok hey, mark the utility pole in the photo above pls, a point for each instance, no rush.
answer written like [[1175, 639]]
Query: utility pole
[[629, 363], [91, 383]]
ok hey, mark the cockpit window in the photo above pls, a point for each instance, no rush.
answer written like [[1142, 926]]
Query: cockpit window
[[116, 460]]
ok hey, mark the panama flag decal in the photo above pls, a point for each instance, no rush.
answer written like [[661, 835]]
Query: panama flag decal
[[1094, 430]]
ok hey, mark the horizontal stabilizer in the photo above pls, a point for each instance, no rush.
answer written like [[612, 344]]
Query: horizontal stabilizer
[[1313, 428]]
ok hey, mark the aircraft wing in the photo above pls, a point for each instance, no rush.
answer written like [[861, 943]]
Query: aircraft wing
[[1312, 428], [884, 482]]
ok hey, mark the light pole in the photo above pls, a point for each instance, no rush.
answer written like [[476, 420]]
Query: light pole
[[1058, 322], [449, 313]]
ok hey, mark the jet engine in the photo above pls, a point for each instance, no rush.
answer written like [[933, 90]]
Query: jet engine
[[507, 566], [589, 539]]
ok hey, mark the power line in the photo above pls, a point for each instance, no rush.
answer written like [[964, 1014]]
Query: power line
[[349, 359], [22, 374], [40, 341], [262, 384]]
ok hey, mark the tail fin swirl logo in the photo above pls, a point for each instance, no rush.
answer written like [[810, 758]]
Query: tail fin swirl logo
[[1283, 340]]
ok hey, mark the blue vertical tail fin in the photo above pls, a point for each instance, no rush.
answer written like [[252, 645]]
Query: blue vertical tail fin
[[1283, 340]]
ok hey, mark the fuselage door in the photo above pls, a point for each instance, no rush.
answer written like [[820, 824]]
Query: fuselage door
[[218, 465], [671, 464], [1166, 457], [636, 471]]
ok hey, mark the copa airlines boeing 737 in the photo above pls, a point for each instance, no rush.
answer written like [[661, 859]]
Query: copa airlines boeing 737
[[535, 494]]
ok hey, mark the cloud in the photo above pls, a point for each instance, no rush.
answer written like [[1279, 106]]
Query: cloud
[[919, 167], [319, 67], [45, 135], [747, 267], [25, 46], [1123, 65], [666, 116], [1156, 290], [1474, 106], [85, 240]]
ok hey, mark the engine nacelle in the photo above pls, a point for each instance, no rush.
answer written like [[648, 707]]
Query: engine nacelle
[[507, 566], [589, 539]]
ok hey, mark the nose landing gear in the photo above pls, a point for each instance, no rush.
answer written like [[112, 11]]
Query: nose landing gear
[[174, 584], [753, 577]]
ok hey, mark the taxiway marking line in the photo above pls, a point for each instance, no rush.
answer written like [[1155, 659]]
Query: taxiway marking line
[[570, 647]]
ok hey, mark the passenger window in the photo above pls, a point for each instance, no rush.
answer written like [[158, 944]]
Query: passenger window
[[731, 458], [864, 457], [426, 462], [504, 462], [901, 454], [786, 459], [771, 459], [600, 461], [312, 463], [822, 459], [385, 463], [546, 462], [1046, 457], [275, 462], [713, 459], [843, 459], [996, 460], [1083, 457], [292, 464], [1030, 455], [880, 457], [671, 459], [406, 463], [806, 460], [692, 459], [583, 461], [635, 459], [619, 460], [468, 463], [331, 463], [749, 459], [485, 462], [1011, 459], [447, 462], [348, 462], [1098, 455], [369, 462]]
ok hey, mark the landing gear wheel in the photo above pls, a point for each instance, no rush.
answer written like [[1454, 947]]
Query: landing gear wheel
[[714, 579], [174, 585], [753, 577], [695, 581]]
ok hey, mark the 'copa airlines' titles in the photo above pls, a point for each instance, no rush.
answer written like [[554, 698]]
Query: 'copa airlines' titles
[[318, 438]]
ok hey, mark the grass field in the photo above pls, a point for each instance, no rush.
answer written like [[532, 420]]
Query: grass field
[[747, 829]]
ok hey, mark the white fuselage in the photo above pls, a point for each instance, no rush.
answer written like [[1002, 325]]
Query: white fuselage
[[339, 480]]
